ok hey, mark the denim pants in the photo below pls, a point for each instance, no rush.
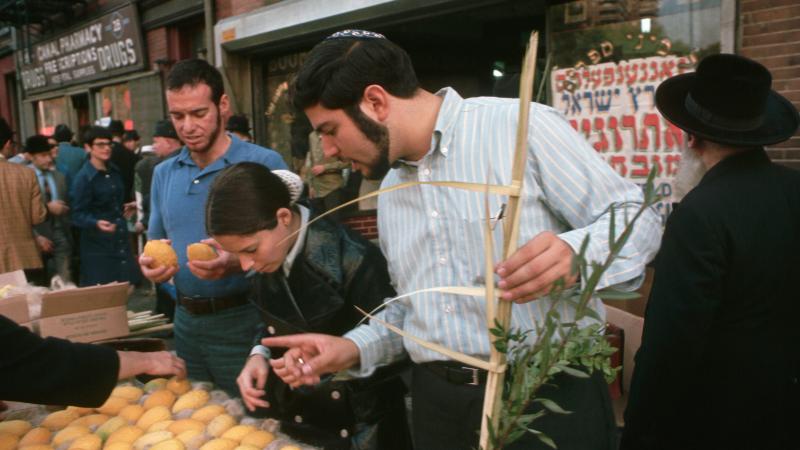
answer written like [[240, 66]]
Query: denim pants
[[59, 262], [215, 346]]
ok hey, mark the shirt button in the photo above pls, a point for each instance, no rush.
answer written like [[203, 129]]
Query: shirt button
[[448, 308], [298, 419], [434, 214], [271, 329], [336, 395], [442, 260], [108, 176], [427, 171], [444, 149], [196, 181], [344, 433]]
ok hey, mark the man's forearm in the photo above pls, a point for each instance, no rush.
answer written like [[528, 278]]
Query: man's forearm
[[133, 363]]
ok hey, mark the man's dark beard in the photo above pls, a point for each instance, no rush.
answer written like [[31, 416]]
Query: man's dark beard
[[214, 134], [377, 134]]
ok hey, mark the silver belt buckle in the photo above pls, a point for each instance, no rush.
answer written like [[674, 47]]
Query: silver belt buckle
[[475, 379]]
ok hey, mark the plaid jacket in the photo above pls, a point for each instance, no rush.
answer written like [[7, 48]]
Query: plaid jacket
[[22, 208]]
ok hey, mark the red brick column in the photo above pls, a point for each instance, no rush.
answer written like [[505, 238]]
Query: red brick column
[[156, 45], [365, 223], [770, 34]]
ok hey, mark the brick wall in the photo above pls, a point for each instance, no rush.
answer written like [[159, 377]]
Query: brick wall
[[770, 34], [366, 224], [156, 45], [7, 66], [228, 8]]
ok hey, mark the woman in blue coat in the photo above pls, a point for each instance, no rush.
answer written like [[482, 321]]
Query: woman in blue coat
[[98, 210]]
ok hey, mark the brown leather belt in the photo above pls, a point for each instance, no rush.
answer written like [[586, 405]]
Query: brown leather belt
[[457, 373], [200, 306]]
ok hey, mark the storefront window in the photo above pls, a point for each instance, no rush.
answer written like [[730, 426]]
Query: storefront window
[[114, 103], [50, 113], [287, 129], [609, 57]]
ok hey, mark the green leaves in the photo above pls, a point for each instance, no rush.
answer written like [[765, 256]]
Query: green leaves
[[575, 372], [613, 294], [569, 347], [552, 406]]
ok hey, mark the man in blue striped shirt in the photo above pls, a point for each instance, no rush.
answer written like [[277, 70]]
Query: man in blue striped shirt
[[361, 94]]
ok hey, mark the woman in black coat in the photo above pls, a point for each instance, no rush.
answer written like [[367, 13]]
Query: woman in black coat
[[306, 278]]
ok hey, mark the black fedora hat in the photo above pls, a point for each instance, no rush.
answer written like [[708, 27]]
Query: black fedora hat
[[165, 128], [239, 124], [37, 144], [728, 100]]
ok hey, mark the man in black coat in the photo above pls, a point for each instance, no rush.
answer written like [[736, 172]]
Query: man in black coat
[[58, 372], [720, 356]]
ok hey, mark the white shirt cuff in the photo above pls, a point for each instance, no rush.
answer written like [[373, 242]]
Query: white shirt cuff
[[261, 350]]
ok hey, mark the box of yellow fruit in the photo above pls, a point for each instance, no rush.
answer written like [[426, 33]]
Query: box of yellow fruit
[[163, 414]]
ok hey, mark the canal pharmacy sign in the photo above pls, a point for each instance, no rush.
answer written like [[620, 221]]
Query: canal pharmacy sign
[[105, 47]]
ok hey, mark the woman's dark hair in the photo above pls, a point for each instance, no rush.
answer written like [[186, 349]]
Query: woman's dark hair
[[244, 199], [337, 71], [191, 72], [96, 132]]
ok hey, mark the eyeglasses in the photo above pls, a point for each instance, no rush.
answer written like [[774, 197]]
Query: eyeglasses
[[101, 144]]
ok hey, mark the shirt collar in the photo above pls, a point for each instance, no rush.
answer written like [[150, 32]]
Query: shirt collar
[[443, 129], [445, 121], [185, 156], [39, 171], [299, 243], [746, 159]]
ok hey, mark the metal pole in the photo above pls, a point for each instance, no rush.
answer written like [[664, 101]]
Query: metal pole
[[208, 9]]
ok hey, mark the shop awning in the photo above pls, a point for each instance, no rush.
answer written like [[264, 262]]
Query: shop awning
[[293, 20], [21, 14]]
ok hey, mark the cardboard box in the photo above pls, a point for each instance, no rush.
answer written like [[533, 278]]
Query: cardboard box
[[16, 309], [86, 314], [15, 278], [632, 326], [628, 315], [81, 315]]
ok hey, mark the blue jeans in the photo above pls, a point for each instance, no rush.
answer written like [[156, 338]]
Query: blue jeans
[[58, 262], [215, 346]]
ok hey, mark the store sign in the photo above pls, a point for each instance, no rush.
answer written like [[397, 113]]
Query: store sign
[[606, 72], [613, 105], [105, 47]]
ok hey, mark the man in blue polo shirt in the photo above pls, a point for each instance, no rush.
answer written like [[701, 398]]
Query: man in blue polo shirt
[[214, 322]]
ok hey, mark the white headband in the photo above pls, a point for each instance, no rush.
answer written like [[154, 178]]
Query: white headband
[[293, 182]]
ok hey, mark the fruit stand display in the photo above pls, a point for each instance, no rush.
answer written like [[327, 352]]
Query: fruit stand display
[[163, 414]]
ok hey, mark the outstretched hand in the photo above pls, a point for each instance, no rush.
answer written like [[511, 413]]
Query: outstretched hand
[[251, 382], [309, 356]]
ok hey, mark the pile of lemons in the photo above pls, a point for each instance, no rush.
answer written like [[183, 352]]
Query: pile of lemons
[[162, 415]]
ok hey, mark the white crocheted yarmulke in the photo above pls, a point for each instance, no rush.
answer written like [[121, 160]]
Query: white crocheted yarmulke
[[292, 181]]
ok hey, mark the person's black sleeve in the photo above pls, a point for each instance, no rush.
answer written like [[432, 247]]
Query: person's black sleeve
[[53, 371]]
